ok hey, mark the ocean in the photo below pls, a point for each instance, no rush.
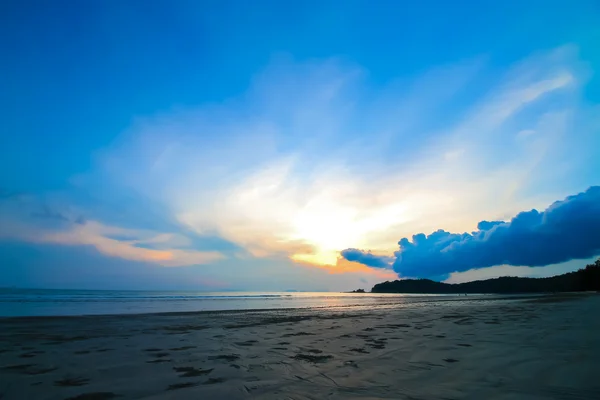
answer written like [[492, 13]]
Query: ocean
[[51, 302]]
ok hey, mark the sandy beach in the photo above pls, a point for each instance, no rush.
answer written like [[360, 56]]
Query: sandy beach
[[541, 348]]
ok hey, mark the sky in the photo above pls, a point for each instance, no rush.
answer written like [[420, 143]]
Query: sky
[[312, 145]]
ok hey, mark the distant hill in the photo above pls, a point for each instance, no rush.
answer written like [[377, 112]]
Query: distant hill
[[585, 279]]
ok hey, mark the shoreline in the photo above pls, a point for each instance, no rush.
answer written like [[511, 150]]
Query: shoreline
[[423, 299]]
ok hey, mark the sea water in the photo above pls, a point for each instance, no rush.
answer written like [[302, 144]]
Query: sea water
[[51, 302]]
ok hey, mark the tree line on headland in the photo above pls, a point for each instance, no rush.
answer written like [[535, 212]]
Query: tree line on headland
[[585, 279]]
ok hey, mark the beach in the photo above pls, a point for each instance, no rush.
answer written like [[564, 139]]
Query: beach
[[544, 347]]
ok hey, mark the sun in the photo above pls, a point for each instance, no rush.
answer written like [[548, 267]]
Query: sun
[[330, 228]]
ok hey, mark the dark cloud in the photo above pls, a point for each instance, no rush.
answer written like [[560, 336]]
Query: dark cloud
[[568, 229], [11, 195], [47, 213], [487, 225], [50, 214], [367, 258]]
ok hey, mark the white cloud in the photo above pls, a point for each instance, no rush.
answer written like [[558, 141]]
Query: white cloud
[[306, 161]]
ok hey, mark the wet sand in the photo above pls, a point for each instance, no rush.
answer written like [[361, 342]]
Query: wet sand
[[543, 348]]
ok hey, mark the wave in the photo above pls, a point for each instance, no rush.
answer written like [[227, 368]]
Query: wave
[[58, 297], [119, 298]]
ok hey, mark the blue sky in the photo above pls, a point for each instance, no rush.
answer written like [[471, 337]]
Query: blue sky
[[266, 145]]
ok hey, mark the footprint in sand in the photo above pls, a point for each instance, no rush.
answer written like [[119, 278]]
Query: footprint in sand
[[182, 385], [188, 372], [311, 358], [247, 343], [226, 357], [94, 396], [298, 334], [18, 367], [182, 348], [72, 381], [29, 369], [359, 350], [212, 381], [314, 351], [376, 343]]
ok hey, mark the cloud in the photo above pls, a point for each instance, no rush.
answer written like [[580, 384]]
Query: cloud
[[366, 258], [344, 163], [487, 225], [47, 213], [35, 222], [106, 239], [346, 267], [567, 229], [82, 267]]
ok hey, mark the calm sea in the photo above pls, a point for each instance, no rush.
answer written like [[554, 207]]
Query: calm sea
[[49, 302]]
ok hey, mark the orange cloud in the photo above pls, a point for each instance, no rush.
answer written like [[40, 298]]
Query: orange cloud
[[343, 266], [97, 235]]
